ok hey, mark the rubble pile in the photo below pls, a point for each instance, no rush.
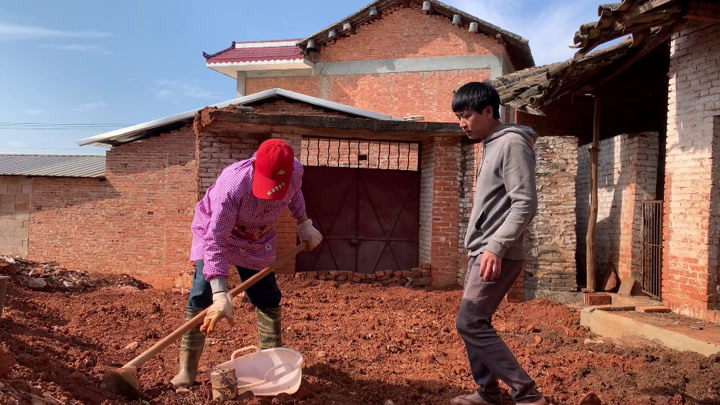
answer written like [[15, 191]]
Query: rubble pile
[[51, 276]]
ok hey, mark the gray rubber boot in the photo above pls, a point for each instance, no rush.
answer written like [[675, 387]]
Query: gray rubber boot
[[269, 328], [191, 347]]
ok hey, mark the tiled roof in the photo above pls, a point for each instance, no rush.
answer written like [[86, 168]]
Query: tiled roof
[[650, 24], [52, 165], [256, 52], [635, 17]]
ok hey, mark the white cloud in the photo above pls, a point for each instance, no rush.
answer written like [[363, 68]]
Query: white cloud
[[75, 47], [91, 106], [16, 144], [12, 31], [171, 88], [34, 111], [164, 93], [550, 29]]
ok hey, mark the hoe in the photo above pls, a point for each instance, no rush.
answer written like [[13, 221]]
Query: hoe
[[124, 380]]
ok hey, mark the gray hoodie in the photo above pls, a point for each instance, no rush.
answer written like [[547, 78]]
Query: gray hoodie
[[505, 195]]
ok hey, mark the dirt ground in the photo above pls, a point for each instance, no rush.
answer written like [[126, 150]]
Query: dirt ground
[[363, 344]]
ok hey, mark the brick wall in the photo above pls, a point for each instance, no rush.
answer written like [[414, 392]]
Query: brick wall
[[14, 215], [468, 170], [690, 257], [439, 209], [404, 32], [627, 175], [550, 257], [427, 155], [281, 106], [359, 153], [137, 221], [397, 94]]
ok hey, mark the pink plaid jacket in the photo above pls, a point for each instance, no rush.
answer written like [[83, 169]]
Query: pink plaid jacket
[[232, 226]]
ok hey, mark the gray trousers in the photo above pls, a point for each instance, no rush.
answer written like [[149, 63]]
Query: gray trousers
[[489, 356]]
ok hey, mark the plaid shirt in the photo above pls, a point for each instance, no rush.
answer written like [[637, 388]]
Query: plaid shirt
[[232, 226]]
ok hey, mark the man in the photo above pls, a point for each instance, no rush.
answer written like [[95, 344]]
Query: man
[[233, 225], [505, 203]]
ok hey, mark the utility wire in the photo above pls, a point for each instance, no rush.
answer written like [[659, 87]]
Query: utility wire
[[54, 126]]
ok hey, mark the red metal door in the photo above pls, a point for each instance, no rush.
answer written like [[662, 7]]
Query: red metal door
[[368, 217]]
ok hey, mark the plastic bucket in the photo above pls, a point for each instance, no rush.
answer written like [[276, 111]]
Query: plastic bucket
[[266, 372]]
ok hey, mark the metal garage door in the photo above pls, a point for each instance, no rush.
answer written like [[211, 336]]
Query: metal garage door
[[368, 217]]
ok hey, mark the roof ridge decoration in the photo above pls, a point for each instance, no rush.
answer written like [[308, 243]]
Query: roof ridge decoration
[[517, 46]]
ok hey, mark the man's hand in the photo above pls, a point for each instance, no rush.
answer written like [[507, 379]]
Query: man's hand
[[490, 266], [220, 308], [309, 234]]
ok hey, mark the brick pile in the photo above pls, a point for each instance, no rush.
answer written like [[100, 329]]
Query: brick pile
[[418, 277]]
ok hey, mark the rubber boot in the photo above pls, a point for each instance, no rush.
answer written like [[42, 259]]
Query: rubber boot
[[191, 347], [269, 330]]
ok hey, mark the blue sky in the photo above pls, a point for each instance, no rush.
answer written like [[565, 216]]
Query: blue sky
[[103, 65]]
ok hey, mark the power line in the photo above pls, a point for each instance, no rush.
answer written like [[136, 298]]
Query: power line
[[45, 126], [33, 147], [51, 123]]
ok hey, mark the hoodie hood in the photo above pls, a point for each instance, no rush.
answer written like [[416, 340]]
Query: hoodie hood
[[528, 133]]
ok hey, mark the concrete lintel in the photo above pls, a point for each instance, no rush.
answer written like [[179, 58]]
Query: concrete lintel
[[494, 63], [279, 73], [610, 324]]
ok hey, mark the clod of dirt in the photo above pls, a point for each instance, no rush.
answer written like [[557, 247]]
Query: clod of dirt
[[590, 399], [7, 360], [283, 399]]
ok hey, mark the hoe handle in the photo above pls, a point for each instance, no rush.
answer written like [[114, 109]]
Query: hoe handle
[[157, 347]]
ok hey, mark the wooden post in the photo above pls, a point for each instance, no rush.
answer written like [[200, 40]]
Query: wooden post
[[592, 221]]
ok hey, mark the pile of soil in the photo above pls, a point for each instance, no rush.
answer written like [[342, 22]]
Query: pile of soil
[[362, 343]]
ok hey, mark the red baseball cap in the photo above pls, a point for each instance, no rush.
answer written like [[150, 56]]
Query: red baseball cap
[[274, 164]]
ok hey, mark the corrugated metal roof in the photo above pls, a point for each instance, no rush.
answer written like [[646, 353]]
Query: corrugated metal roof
[[52, 165], [135, 132]]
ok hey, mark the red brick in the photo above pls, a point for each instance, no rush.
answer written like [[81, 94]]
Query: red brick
[[652, 309], [597, 299]]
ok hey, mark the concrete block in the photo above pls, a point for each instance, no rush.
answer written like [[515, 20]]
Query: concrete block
[[628, 286], [612, 324], [652, 309]]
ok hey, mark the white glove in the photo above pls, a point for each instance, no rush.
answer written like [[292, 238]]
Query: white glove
[[220, 308], [309, 234]]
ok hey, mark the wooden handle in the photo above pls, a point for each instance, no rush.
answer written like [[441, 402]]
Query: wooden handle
[[157, 347]]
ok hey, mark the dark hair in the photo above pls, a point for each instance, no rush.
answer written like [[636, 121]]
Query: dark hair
[[476, 96]]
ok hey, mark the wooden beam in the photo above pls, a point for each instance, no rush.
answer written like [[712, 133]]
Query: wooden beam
[[704, 12], [592, 220], [646, 7], [224, 121], [663, 35]]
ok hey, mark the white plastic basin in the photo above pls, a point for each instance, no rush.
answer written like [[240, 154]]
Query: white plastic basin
[[266, 372]]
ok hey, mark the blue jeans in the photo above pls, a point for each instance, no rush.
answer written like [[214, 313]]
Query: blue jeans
[[264, 294]]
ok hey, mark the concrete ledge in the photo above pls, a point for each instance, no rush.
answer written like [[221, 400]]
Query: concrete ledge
[[608, 322]]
